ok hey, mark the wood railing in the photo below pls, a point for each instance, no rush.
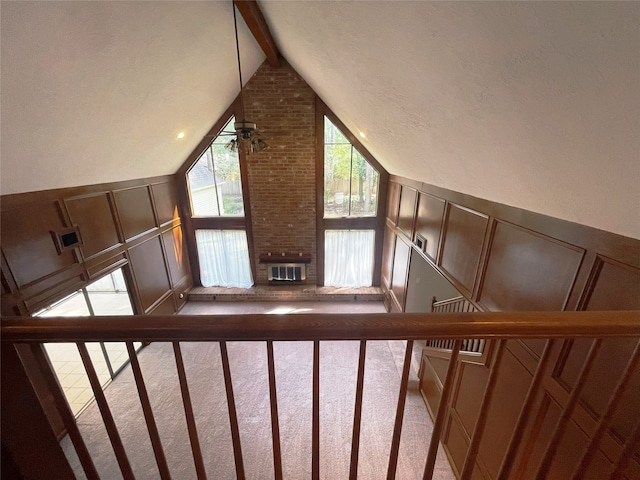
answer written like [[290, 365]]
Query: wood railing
[[455, 305], [316, 328]]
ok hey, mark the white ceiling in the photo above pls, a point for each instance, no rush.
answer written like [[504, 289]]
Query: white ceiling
[[97, 91], [531, 104]]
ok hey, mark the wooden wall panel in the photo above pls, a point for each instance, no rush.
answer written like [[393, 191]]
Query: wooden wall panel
[[509, 394], [527, 272], [430, 386], [166, 202], [603, 377], [457, 444], [393, 203], [135, 211], [150, 273], [176, 251], [387, 257], [528, 262], [407, 211], [462, 245], [429, 222], [572, 445], [470, 384], [400, 270], [614, 286], [94, 216], [26, 236], [165, 307]]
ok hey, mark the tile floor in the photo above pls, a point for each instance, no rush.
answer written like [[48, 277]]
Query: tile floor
[[71, 373]]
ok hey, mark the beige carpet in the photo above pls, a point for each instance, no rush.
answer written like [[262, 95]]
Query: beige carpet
[[338, 361]]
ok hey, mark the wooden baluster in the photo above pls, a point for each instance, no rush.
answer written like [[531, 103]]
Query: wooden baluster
[[525, 411], [442, 410], [357, 414], [233, 416], [402, 396], [188, 413], [472, 452], [607, 417], [68, 419], [275, 426], [561, 424], [315, 427], [147, 411], [107, 418], [627, 452]]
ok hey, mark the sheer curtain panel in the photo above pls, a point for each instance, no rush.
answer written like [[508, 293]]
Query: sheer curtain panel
[[224, 258], [348, 258]]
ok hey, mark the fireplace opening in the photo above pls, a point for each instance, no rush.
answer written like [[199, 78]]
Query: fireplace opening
[[286, 272]]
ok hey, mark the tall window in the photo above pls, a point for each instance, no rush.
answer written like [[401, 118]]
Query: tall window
[[218, 215], [105, 296], [350, 182], [214, 180], [224, 258], [348, 258], [351, 191]]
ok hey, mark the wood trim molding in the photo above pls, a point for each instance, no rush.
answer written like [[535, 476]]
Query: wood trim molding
[[608, 244], [253, 17], [20, 200]]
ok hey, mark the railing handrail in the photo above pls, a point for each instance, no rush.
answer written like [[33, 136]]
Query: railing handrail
[[459, 298], [322, 326]]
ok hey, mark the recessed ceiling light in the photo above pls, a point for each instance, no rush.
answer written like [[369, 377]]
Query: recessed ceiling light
[[363, 135], [180, 135]]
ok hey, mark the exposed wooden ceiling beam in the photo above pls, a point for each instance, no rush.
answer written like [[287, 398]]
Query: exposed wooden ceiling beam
[[254, 19]]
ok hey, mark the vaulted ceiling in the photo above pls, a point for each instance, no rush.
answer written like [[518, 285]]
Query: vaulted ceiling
[[530, 104]]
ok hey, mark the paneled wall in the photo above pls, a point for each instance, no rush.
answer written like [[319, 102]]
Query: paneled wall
[[133, 224], [507, 259]]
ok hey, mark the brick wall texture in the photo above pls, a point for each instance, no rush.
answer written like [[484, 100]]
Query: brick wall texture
[[282, 181]]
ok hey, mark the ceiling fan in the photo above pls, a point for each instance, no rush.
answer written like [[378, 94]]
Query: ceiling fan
[[246, 133]]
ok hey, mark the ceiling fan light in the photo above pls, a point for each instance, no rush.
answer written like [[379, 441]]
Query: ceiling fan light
[[232, 146], [259, 145]]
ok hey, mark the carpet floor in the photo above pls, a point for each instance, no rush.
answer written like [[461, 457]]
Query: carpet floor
[[248, 361]]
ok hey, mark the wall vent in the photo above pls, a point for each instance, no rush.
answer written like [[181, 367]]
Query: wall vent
[[286, 272]]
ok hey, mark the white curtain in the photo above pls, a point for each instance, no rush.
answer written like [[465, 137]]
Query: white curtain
[[348, 258], [224, 258]]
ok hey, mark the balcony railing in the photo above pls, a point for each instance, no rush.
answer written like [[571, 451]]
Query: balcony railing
[[317, 328]]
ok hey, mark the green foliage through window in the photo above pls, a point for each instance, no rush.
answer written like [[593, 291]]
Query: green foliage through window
[[350, 182]]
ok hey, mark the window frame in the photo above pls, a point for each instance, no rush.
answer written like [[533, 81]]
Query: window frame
[[352, 154], [191, 223], [215, 183], [376, 222]]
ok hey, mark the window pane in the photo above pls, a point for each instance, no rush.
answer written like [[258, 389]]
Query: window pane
[[350, 182], [224, 258], [332, 134], [108, 295], [227, 175], [337, 171], [364, 187], [204, 200], [66, 360], [348, 258], [214, 180]]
